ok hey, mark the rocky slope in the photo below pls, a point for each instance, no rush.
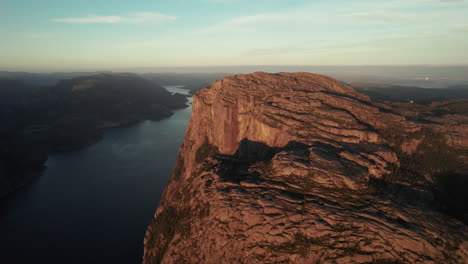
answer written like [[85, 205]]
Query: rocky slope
[[299, 168]]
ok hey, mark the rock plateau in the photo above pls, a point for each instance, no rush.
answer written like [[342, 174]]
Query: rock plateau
[[300, 168]]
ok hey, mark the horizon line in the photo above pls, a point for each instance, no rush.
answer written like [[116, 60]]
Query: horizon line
[[127, 69]]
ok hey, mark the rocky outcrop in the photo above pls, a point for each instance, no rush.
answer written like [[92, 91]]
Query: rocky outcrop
[[288, 168]]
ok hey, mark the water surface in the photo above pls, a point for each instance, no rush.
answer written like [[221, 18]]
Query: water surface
[[93, 205]]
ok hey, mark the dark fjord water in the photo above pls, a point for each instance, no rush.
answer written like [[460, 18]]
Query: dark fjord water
[[93, 205]]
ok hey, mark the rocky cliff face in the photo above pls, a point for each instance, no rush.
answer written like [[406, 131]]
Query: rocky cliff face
[[280, 168]]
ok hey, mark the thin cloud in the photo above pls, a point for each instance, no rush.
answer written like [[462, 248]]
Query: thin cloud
[[136, 18], [220, 1], [382, 17], [37, 35], [460, 28], [236, 23], [262, 18]]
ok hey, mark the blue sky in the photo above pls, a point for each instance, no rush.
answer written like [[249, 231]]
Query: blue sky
[[42, 35]]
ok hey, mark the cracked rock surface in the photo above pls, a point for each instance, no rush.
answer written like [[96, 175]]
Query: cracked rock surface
[[276, 168]]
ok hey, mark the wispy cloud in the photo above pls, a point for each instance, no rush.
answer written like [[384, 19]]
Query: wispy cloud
[[136, 18], [37, 35], [363, 13], [420, 3], [236, 23], [220, 1], [262, 18], [460, 28], [382, 17]]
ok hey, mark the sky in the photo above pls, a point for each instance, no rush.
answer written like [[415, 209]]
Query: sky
[[52, 35]]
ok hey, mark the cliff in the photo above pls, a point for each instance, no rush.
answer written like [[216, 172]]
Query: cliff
[[299, 168]]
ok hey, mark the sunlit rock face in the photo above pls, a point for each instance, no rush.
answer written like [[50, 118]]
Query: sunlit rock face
[[277, 168]]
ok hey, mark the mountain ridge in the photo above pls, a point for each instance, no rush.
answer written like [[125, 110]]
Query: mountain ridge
[[70, 115]]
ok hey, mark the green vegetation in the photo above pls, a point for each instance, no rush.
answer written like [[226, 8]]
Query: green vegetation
[[451, 192], [459, 106], [433, 155], [396, 93], [436, 159]]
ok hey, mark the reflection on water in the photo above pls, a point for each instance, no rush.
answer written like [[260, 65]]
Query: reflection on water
[[94, 205]]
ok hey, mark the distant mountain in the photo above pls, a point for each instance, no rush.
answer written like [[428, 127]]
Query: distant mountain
[[13, 92], [192, 81], [69, 116], [387, 92], [14, 95], [76, 109], [43, 79], [106, 98], [459, 87]]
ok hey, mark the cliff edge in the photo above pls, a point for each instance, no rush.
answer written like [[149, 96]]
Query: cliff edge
[[300, 168]]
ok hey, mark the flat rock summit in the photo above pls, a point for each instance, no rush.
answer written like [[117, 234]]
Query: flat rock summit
[[300, 168]]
